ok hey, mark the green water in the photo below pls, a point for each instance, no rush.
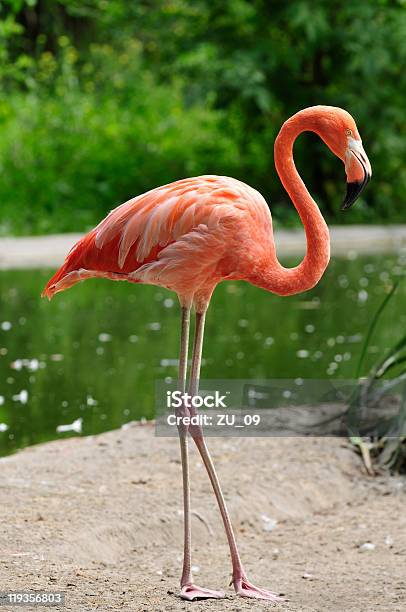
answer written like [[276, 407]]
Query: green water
[[96, 350]]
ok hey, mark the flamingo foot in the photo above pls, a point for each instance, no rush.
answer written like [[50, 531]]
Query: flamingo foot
[[243, 588], [191, 592]]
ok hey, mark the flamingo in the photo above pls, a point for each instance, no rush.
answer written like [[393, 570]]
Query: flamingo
[[190, 235]]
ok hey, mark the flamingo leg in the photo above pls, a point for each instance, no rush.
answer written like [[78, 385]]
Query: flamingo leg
[[184, 451], [189, 590], [241, 584]]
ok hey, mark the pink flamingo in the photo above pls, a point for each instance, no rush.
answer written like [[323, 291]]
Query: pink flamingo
[[192, 234]]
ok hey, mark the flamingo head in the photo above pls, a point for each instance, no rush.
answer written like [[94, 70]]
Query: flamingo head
[[338, 130]]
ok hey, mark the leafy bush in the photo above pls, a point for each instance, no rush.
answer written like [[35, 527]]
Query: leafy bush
[[82, 140], [102, 100]]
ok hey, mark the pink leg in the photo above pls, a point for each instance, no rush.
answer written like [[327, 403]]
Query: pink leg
[[241, 584], [189, 590]]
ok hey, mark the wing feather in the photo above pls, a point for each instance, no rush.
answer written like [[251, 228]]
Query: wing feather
[[164, 232], [163, 215]]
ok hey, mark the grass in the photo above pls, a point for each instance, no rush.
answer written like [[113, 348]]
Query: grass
[[385, 447]]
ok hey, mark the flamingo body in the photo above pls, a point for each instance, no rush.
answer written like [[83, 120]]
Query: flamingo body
[[186, 236], [191, 234]]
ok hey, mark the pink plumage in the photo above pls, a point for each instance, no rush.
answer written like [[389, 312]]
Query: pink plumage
[[186, 236]]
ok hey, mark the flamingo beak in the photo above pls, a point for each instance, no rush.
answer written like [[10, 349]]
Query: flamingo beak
[[358, 170]]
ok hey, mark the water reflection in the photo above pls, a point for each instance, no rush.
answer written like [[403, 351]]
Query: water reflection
[[92, 355]]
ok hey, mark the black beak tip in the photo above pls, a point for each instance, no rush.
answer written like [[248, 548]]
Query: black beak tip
[[346, 205], [354, 189]]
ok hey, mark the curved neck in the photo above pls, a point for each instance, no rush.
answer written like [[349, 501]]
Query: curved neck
[[288, 281]]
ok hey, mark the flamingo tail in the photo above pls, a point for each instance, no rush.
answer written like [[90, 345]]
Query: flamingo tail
[[84, 261], [72, 270]]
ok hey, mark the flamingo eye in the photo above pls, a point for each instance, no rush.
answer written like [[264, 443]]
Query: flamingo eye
[[348, 132]]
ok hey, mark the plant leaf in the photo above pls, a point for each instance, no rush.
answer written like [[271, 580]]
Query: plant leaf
[[372, 326]]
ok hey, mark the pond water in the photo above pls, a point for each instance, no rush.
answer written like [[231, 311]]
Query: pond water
[[95, 352]]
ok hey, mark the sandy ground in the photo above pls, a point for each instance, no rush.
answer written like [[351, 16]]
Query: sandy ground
[[100, 518], [50, 251]]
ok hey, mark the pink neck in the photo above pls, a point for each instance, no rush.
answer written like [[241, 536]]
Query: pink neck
[[288, 281]]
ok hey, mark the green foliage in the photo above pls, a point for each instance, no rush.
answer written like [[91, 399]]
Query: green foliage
[[102, 100], [83, 139]]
